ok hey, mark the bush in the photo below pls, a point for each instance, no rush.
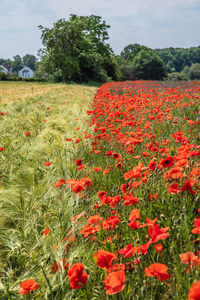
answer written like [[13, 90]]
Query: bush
[[177, 76], [5, 77], [194, 72], [128, 73]]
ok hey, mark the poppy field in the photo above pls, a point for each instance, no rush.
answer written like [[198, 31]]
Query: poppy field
[[102, 201]]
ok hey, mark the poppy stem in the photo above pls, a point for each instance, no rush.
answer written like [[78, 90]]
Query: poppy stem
[[47, 280]]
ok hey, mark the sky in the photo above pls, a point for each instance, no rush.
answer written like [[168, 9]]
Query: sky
[[153, 23]]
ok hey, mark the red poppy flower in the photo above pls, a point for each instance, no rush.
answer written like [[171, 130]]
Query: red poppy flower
[[27, 133], [110, 222], [101, 194], [47, 163], [77, 141], [196, 230], [134, 224], [105, 171], [86, 181], [159, 248], [116, 267], [194, 291], [78, 162], [104, 258], [94, 219], [1, 149], [157, 233], [97, 169], [134, 214], [175, 173], [129, 199], [109, 153], [114, 282], [80, 167], [144, 248], [77, 276], [152, 165], [189, 258], [59, 183], [116, 155], [174, 189], [27, 286], [46, 231], [167, 162], [145, 154], [129, 250], [157, 270], [89, 229], [59, 264], [196, 224], [78, 187], [187, 186]]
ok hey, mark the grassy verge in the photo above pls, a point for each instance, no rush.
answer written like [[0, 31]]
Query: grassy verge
[[27, 197]]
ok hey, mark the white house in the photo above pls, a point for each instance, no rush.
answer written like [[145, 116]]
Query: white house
[[26, 72], [4, 69]]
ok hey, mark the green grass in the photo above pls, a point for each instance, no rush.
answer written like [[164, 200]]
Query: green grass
[[27, 197]]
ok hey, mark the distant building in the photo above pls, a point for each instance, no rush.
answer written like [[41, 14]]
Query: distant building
[[4, 69], [26, 72]]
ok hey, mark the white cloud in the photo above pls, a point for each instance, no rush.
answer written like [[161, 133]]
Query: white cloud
[[113, 8], [154, 23]]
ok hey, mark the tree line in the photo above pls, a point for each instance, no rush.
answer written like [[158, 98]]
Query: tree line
[[140, 62], [77, 50], [18, 62]]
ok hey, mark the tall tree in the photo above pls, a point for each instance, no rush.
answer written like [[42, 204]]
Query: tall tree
[[17, 63], [29, 60], [130, 51], [148, 65], [76, 49], [141, 62]]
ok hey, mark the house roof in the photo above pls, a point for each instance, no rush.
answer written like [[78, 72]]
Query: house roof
[[25, 67], [4, 67]]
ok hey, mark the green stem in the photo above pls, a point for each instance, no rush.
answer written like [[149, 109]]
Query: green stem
[[47, 280]]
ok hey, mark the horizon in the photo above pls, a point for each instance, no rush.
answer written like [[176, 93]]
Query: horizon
[[112, 49]]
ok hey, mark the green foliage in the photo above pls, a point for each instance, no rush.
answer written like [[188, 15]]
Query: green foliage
[[27, 193], [175, 59], [29, 60], [140, 62], [3, 76], [6, 62], [177, 76], [194, 72], [128, 72], [188, 73], [130, 51], [40, 71], [17, 63], [148, 65], [76, 50], [8, 77]]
